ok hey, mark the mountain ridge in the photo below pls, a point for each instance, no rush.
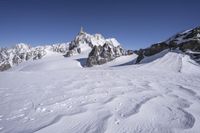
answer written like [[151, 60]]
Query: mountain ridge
[[101, 50], [83, 42]]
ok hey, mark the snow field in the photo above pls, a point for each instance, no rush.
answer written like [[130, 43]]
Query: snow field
[[56, 94]]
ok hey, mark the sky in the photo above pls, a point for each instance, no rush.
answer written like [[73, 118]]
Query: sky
[[134, 23]]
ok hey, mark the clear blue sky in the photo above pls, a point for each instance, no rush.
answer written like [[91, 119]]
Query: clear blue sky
[[135, 23]]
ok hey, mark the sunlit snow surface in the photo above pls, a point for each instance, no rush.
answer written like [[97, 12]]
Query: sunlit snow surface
[[58, 95]]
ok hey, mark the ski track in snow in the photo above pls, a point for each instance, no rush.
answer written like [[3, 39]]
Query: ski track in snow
[[126, 99]]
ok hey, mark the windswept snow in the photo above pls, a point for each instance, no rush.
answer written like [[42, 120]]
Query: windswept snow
[[57, 94]]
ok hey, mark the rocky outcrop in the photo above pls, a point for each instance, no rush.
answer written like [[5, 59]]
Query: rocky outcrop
[[103, 54], [154, 49], [187, 40]]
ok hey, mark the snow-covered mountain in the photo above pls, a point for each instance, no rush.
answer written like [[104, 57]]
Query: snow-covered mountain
[[83, 43], [10, 57], [20, 53], [187, 42]]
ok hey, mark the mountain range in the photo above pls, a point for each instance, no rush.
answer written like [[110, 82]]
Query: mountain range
[[108, 49], [101, 50]]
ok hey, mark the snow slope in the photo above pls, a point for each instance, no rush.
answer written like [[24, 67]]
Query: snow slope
[[57, 94], [171, 62]]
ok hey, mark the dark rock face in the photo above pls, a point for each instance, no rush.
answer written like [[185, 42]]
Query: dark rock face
[[70, 53], [93, 58], [193, 45], [154, 49], [16, 60], [189, 40], [103, 54]]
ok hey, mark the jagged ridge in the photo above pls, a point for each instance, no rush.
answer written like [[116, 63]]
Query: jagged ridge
[[23, 52], [187, 42], [108, 49]]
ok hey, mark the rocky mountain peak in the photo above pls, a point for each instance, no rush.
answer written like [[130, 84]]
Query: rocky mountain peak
[[101, 50], [85, 42], [81, 31]]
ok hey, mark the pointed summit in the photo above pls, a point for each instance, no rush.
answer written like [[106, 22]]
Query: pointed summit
[[81, 30]]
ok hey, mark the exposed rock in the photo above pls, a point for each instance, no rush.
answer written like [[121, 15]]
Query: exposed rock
[[154, 49], [193, 45], [16, 60], [29, 55], [79, 50], [103, 54], [187, 40], [70, 53], [194, 55]]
